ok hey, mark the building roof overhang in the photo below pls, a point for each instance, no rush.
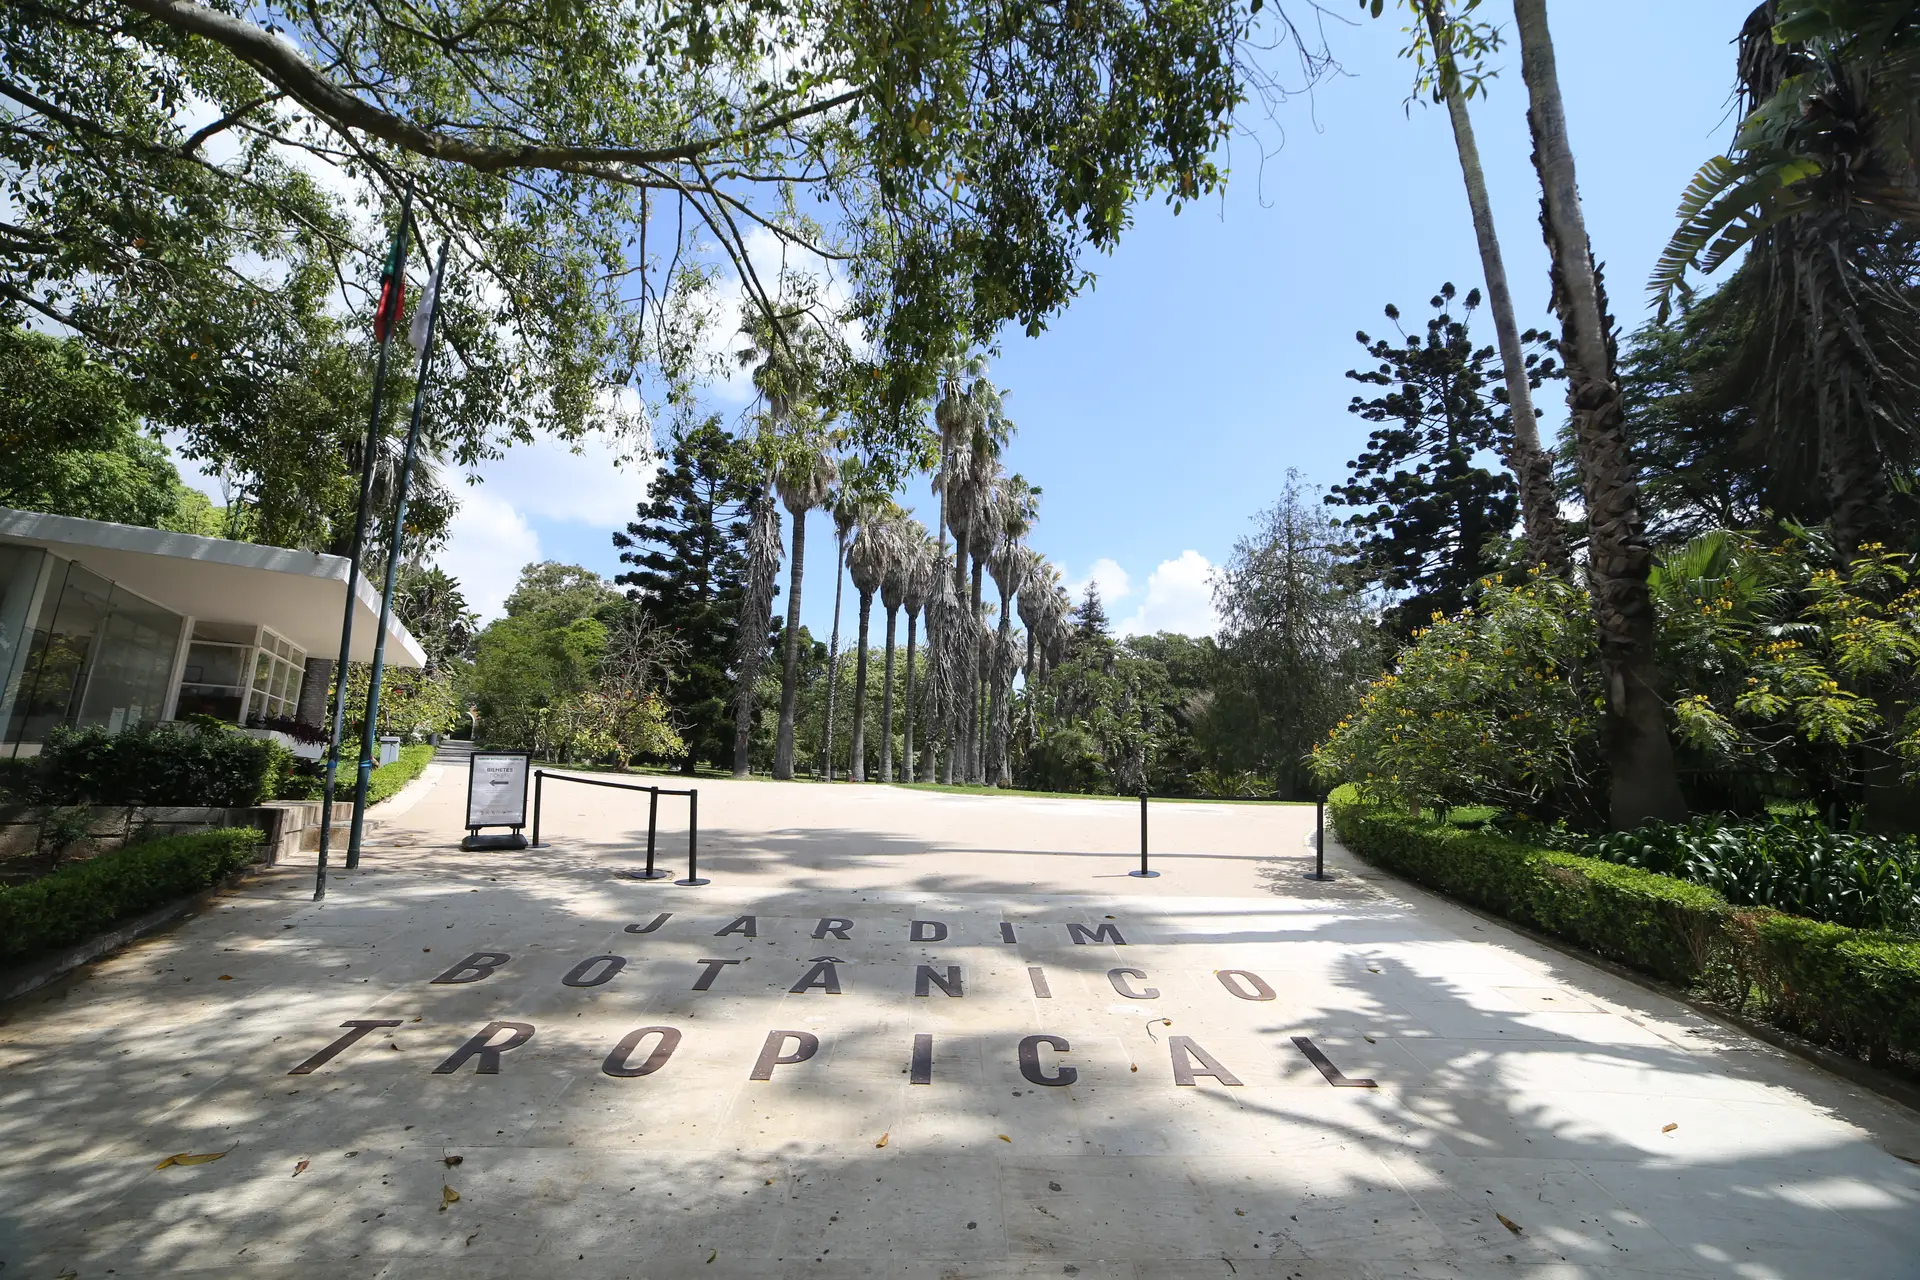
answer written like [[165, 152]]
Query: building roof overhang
[[299, 594]]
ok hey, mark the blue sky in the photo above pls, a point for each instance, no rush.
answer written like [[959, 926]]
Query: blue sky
[[1163, 409]]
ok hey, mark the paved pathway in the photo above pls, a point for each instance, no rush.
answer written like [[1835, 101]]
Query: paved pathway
[[1059, 1071]]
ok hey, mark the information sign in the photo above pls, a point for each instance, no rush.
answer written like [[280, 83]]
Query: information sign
[[497, 789]]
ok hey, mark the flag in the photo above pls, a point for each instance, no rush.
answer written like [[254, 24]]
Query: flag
[[393, 286], [423, 313]]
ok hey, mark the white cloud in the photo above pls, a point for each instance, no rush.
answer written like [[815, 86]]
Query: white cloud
[[600, 485], [1113, 580], [1179, 598], [486, 546]]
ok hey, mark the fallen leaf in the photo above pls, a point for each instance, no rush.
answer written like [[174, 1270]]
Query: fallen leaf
[[712, 1256], [226, 977], [769, 1181], [1239, 1213], [1003, 1137], [447, 1196], [451, 1161], [1668, 1128], [1508, 1223], [883, 1139], [1134, 1068], [301, 1167], [184, 1158]]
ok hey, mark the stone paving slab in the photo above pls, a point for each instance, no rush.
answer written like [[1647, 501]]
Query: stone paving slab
[[910, 1035]]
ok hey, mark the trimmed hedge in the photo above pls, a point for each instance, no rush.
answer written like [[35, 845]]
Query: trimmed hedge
[[1856, 990], [83, 899], [389, 778], [191, 764]]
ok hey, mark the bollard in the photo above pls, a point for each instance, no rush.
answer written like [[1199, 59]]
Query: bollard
[[693, 841], [539, 776], [1143, 873], [1319, 871], [653, 824]]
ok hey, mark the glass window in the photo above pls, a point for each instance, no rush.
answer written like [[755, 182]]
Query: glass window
[[56, 676], [20, 569], [214, 680], [128, 683]]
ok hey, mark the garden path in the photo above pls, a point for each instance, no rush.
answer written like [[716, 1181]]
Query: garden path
[[1532, 1116]]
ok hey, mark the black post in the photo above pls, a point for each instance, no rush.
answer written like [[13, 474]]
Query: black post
[[693, 841], [353, 565], [394, 539], [653, 824], [1143, 873], [1319, 840], [539, 778]]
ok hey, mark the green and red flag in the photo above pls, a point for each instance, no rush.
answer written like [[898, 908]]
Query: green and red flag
[[393, 286]]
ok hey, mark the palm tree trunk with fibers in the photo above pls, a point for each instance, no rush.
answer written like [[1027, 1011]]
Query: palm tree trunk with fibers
[[833, 653], [1539, 507], [906, 707], [790, 669], [1645, 785], [978, 655], [756, 615], [886, 704], [858, 768]]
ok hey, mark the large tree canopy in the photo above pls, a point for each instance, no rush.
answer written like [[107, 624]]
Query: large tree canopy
[[595, 167]]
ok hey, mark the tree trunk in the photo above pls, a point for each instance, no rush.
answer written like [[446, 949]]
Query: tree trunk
[[1530, 464], [857, 769], [976, 730], [833, 655], [1645, 785], [790, 672], [886, 706], [906, 744]]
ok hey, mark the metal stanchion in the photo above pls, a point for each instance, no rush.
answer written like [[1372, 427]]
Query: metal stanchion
[[653, 824], [693, 842], [539, 776], [1143, 873], [1319, 871]]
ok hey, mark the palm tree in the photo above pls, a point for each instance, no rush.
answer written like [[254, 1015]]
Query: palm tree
[[1539, 506], [1039, 595], [1645, 784], [1019, 506], [873, 550], [893, 591], [845, 506], [946, 667], [756, 616], [922, 560], [804, 477]]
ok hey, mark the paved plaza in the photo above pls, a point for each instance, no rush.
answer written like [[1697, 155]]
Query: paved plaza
[[906, 1034]]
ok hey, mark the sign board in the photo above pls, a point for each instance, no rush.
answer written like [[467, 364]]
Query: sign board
[[497, 789]]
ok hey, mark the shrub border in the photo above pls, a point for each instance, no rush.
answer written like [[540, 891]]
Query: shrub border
[[1852, 991]]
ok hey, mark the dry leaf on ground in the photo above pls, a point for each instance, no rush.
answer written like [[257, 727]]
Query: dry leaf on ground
[[1508, 1223], [301, 1167], [1003, 1137], [184, 1158], [883, 1138], [451, 1161], [1669, 1128], [447, 1196]]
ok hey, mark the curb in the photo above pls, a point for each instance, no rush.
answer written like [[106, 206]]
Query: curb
[[1889, 1086]]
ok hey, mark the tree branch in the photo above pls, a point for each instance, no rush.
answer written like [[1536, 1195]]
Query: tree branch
[[279, 61]]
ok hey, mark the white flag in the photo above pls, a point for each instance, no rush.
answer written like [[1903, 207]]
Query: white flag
[[423, 310]]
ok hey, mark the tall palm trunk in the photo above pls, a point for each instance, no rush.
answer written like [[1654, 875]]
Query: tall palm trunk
[[858, 769], [1539, 507], [833, 653], [956, 715], [756, 614], [1645, 784], [1000, 709], [886, 706], [790, 671], [976, 737], [906, 743]]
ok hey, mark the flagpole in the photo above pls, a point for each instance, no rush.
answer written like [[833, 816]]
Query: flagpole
[[393, 562], [353, 561]]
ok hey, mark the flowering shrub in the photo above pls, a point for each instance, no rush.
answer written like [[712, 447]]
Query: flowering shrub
[[1491, 707]]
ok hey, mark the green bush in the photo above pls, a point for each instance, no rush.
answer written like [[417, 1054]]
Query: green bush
[[162, 764], [1792, 864], [84, 899], [389, 778], [1856, 990]]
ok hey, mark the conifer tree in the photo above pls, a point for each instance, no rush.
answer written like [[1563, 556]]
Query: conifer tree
[[687, 549], [1428, 514], [1090, 616]]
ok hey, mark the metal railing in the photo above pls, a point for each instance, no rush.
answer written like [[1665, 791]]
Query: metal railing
[[653, 822], [1319, 871]]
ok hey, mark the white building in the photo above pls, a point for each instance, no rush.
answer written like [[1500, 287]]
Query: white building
[[108, 624]]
